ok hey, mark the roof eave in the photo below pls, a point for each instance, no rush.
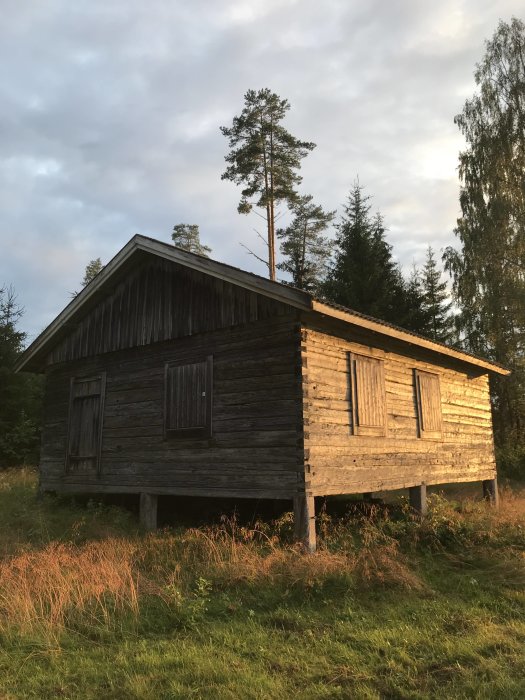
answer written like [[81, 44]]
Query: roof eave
[[406, 337], [31, 359]]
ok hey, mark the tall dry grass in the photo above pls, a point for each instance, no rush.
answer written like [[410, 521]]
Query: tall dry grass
[[46, 591], [41, 591], [62, 585]]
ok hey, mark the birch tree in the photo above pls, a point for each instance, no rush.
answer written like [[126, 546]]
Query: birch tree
[[488, 267]]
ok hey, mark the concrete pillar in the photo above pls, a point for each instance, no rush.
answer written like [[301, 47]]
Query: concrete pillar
[[304, 520], [417, 496], [490, 492], [148, 511]]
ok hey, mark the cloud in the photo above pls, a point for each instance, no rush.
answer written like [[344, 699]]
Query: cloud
[[111, 113]]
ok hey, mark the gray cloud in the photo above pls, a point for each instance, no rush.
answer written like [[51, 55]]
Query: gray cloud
[[111, 112]]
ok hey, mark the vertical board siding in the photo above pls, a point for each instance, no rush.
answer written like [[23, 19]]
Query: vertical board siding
[[158, 301], [429, 403], [368, 393], [186, 405], [189, 397], [85, 418], [339, 461], [254, 447]]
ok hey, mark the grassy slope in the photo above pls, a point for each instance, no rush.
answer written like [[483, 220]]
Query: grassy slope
[[388, 608]]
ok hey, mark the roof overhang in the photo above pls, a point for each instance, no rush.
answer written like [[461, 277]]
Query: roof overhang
[[33, 357], [378, 326]]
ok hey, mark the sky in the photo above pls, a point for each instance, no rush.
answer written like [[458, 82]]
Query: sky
[[110, 116]]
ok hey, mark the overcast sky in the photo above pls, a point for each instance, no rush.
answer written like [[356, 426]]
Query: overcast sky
[[110, 115]]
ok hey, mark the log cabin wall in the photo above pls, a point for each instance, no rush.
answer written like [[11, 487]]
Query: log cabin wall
[[420, 441], [255, 446]]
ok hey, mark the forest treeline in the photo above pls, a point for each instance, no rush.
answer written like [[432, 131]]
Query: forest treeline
[[347, 258]]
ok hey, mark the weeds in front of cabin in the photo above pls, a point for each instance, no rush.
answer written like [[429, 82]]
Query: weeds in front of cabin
[[43, 592], [389, 605]]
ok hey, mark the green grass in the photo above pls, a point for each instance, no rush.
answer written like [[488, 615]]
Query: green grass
[[388, 608]]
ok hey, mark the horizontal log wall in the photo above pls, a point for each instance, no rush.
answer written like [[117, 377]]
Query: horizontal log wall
[[160, 300], [339, 462], [255, 446]]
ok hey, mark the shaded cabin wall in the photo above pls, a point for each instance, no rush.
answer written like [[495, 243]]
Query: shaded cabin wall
[[161, 300], [256, 445], [340, 462]]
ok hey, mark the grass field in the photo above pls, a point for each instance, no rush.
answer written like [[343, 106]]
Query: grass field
[[388, 608]]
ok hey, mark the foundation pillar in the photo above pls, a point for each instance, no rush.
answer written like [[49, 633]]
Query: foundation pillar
[[148, 511], [417, 496], [304, 521], [490, 492]]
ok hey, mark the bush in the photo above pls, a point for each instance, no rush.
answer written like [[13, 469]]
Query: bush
[[510, 460]]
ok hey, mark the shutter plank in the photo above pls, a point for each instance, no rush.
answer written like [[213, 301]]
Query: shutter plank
[[186, 397], [85, 424], [369, 394], [429, 404]]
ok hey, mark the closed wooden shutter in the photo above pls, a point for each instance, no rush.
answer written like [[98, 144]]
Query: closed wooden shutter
[[428, 396], [368, 395], [188, 399], [86, 409]]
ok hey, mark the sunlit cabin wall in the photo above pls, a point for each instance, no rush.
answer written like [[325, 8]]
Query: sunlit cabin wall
[[340, 460]]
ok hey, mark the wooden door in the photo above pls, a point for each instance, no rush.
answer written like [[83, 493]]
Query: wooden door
[[86, 410]]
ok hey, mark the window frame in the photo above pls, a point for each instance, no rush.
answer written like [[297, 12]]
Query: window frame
[[197, 431], [421, 431], [355, 427], [79, 379]]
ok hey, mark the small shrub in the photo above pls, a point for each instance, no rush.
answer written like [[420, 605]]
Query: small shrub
[[511, 461]]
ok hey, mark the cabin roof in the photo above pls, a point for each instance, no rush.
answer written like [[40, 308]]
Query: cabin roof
[[32, 358]]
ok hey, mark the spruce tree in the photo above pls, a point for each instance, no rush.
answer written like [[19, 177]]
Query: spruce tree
[[20, 393], [436, 303], [265, 158], [416, 317], [364, 276], [187, 237], [304, 248]]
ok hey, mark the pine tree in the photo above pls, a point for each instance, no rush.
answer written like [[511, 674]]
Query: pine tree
[[436, 304], [187, 237], [264, 157], [488, 269], [305, 250]]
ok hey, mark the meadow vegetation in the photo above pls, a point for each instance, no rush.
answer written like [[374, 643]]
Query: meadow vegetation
[[389, 607]]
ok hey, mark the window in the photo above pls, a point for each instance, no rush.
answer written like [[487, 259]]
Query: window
[[86, 410], [188, 399], [428, 401], [368, 402]]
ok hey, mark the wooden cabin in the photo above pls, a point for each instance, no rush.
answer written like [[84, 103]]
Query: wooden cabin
[[174, 374]]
